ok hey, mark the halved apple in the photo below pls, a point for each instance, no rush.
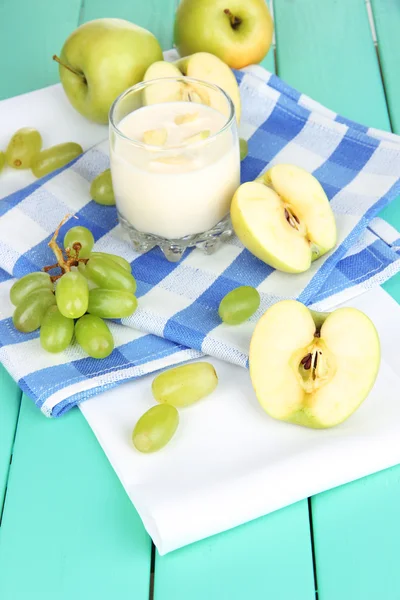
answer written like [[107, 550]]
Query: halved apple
[[313, 369], [203, 66], [284, 218]]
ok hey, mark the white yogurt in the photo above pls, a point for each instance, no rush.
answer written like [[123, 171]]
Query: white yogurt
[[174, 192]]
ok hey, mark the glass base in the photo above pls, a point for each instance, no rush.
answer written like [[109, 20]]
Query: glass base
[[208, 241]]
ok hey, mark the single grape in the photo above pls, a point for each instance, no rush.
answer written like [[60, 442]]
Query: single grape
[[122, 262], [23, 147], [243, 148], [54, 158], [107, 274], [101, 189], [80, 235], [239, 304], [94, 336], [155, 428], [72, 294], [111, 304], [56, 330], [30, 311], [2, 161], [185, 385], [28, 283]]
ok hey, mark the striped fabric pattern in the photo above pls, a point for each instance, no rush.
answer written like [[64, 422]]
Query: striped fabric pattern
[[177, 318]]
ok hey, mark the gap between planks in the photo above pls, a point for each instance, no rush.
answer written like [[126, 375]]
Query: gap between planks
[[11, 457]]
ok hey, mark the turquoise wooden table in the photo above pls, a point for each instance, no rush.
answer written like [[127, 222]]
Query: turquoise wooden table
[[68, 531]]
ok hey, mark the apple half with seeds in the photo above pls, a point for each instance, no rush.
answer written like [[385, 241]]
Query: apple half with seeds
[[313, 369], [284, 218], [203, 66]]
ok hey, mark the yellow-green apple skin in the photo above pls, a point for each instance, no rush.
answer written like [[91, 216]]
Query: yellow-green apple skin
[[111, 55], [239, 32], [314, 373], [203, 66], [284, 218]]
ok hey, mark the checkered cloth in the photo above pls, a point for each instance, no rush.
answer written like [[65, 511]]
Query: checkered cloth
[[177, 318]]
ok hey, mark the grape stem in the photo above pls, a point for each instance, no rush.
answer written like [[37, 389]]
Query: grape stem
[[71, 258]]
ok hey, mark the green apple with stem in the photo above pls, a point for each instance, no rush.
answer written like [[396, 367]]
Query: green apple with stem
[[284, 218], [203, 66], [313, 369], [239, 32], [100, 60]]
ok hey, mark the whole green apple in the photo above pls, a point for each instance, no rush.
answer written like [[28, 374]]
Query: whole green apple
[[100, 60], [239, 32]]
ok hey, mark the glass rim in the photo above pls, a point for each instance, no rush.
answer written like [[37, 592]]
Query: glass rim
[[183, 78]]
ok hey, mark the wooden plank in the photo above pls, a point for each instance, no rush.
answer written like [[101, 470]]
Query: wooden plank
[[10, 397], [250, 561], [356, 527], [155, 15], [68, 530], [267, 558], [31, 32], [386, 15], [357, 537], [325, 50]]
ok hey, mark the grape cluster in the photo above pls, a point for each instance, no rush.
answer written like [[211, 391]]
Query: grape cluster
[[175, 388], [73, 308], [24, 151]]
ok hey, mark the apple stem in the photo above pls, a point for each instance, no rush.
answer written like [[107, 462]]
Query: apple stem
[[55, 57], [235, 21]]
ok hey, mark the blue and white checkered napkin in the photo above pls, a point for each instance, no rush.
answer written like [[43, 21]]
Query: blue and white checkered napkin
[[177, 318]]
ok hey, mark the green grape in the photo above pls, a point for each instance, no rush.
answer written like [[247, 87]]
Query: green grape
[[80, 235], [23, 147], [107, 274], [72, 294], [243, 148], [122, 262], [111, 304], [56, 330], [30, 311], [155, 428], [239, 304], [2, 160], [185, 385], [101, 189], [54, 158], [28, 283], [93, 335]]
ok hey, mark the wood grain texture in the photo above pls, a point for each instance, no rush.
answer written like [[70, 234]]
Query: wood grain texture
[[157, 16], [386, 15], [356, 527], [325, 49], [267, 558], [387, 23], [69, 530], [30, 33], [10, 397]]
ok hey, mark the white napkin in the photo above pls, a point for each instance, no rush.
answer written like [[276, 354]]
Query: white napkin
[[230, 463]]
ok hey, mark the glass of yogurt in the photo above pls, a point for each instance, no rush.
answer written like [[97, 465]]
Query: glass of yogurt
[[175, 164]]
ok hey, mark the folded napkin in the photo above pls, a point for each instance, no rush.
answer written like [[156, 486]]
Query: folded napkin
[[177, 318], [229, 463]]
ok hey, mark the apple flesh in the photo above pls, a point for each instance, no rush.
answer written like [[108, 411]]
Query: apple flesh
[[310, 371], [239, 32], [284, 218], [100, 60], [203, 66]]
